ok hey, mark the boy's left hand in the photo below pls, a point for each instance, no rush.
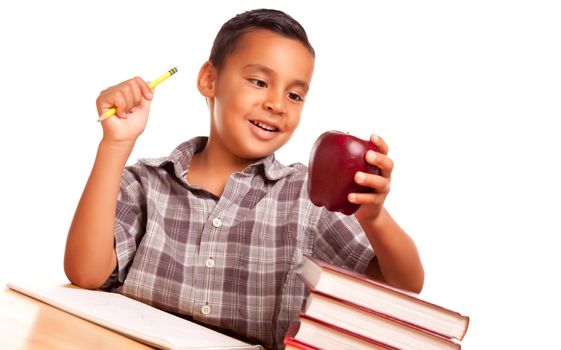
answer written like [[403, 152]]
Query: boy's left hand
[[371, 204]]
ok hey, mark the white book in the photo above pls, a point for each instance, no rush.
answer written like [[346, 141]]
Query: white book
[[132, 318]]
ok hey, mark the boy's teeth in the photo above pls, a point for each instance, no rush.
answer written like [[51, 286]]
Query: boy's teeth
[[264, 126]]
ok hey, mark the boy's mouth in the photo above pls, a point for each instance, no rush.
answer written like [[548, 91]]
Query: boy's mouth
[[264, 126]]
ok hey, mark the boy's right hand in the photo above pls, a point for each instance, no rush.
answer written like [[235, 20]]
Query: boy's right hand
[[131, 99]]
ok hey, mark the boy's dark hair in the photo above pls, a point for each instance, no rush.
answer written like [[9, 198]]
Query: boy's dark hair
[[273, 20]]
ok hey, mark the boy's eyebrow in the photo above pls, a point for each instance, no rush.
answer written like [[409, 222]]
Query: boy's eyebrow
[[268, 70]]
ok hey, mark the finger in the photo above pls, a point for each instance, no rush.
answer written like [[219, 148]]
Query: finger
[[381, 161], [377, 183], [136, 94], [128, 90], [101, 103], [366, 198], [380, 143], [132, 92], [120, 103], [144, 88]]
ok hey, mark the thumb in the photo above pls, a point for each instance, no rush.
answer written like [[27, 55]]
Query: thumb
[[145, 103], [147, 92], [148, 96]]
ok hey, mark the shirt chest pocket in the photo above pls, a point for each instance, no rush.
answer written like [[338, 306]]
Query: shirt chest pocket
[[263, 262]]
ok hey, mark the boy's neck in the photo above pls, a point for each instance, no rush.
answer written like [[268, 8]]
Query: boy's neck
[[212, 166], [216, 158]]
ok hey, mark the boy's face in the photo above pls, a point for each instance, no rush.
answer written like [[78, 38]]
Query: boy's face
[[259, 93]]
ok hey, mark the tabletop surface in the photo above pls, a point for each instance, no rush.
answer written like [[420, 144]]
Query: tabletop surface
[[26, 323]]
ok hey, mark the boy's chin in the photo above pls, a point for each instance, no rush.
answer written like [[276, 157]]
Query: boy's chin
[[258, 154], [258, 150]]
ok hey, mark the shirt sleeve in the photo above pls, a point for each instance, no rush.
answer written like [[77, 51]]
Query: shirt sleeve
[[130, 224], [341, 241]]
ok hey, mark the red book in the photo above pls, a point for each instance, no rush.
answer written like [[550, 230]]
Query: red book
[[373, 324], [293, 344], [322, 335], [398, 304]]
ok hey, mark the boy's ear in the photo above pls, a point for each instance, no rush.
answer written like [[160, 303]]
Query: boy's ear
[[206, 79]]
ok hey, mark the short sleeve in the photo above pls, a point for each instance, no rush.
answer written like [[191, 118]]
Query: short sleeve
[[130, 224], [341, 241]]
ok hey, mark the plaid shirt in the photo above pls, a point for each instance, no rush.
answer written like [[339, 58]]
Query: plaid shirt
[[230, 261]]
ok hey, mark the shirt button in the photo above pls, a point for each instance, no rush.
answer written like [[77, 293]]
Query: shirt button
[[205, 310], [209, 262], [217, 222]]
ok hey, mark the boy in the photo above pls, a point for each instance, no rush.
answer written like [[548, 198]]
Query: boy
[[215, 231]]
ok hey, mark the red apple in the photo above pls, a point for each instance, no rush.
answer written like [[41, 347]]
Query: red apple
[[334, 161]]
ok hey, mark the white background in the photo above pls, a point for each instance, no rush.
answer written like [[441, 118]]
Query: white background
[[465, 93]]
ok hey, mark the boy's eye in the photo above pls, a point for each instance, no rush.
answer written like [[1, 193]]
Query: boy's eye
[[295, 97], [258, 82]]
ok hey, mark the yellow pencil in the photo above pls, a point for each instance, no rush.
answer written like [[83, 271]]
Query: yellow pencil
[[152, 85]]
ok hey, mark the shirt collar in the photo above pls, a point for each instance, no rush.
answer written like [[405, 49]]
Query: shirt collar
[[181, 156]]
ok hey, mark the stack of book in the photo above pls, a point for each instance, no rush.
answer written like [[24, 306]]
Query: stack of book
[[347, 310]]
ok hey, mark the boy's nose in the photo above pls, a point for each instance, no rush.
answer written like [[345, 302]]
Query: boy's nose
[[275, 103]]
